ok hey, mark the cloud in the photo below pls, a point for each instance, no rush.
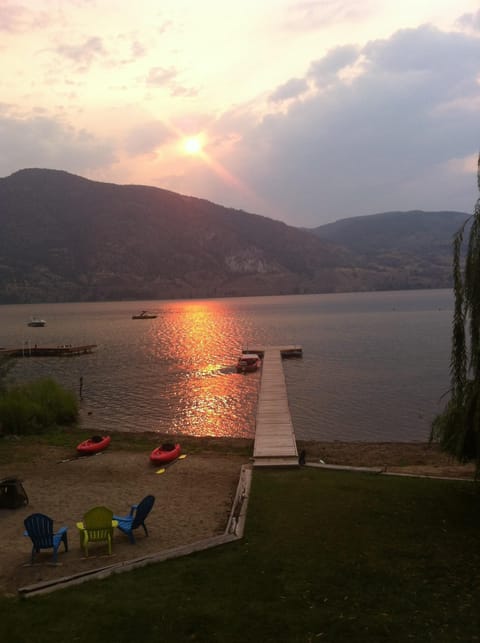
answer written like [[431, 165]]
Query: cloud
[[332, 63], [138, 50], [293, 88], [145, 138], [181, 90], [165, 78], [165, 26], [312, 14], [384, 140], [84, 53], [49, 143], [161, 76], [15, 18], [425, 49], [128, 47], [469, 21]]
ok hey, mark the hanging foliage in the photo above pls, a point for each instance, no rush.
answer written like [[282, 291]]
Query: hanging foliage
[[457, 429]]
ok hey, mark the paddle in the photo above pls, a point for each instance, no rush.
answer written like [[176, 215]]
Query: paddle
[[163, 469], [81, 457]]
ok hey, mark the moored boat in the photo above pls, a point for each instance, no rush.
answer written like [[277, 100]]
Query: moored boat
[[248, 363], [145, 315], [94, 444], [165, 453], [35, 322]]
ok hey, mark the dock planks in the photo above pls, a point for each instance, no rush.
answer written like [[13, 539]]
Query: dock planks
[[275, 443], [48, 351]]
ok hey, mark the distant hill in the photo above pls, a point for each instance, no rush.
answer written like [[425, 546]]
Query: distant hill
[[414, 247], [66, 238], [414, 232]]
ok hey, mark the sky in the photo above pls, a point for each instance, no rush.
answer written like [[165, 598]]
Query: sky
[[304, 111]]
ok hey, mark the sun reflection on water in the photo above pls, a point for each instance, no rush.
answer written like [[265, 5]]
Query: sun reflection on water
[[206, 395]]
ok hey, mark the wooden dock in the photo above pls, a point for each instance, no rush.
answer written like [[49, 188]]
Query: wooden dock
[[275, 444], [66, 350]]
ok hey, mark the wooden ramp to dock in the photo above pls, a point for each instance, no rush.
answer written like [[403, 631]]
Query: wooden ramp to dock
[[275, 444]]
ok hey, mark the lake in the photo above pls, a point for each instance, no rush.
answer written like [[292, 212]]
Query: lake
[[375, 365]]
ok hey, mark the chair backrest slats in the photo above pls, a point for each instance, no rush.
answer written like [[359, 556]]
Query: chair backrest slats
[[143, 509], [40, 529], [98, 523]]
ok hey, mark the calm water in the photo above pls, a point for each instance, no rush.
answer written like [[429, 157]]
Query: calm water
[[375, 365]]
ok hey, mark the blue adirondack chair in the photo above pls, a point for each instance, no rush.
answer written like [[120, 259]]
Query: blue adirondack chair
[[136, 518], [39, 528]]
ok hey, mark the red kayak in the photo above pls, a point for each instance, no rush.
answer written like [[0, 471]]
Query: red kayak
[[94, 444], [165, 453]]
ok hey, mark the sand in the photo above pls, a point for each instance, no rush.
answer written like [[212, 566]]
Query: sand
[[193, 498]]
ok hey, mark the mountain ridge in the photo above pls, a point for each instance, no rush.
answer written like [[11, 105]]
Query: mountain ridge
[[68, 238]]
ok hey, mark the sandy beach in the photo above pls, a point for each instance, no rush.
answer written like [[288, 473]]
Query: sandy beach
[[193, 496], [193, 499]]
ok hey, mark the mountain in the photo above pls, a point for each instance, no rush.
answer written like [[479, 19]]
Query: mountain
[[66, 238], [414, 232], [413, 248]]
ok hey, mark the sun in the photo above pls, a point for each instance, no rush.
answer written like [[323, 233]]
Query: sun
[[192, 145]]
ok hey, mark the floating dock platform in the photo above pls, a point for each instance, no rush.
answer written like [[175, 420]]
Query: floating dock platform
[[275, 444], [293, 350], [66, 350]]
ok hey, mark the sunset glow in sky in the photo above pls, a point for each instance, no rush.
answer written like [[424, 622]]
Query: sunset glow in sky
[[305, 111]]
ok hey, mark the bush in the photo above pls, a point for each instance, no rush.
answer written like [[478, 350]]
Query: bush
[[6, 364], [36, 406]]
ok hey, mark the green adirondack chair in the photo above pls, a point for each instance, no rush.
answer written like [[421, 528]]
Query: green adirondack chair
[[97, 526]]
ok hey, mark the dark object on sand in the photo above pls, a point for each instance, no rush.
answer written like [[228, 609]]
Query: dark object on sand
[[12, 494]]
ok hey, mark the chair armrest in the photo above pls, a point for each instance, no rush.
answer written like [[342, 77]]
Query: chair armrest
[[80, 525], [123, 522], [61, 531], [114, 523], [132, 509]]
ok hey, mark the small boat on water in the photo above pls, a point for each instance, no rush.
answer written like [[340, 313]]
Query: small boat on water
[[165, 453], [145, 315], [248, 363], [93, 445], [35, 322]]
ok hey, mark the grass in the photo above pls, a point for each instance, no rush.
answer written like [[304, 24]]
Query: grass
[[327, 556], [33, 407]]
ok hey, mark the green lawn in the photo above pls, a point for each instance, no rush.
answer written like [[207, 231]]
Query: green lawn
[[327, 556]]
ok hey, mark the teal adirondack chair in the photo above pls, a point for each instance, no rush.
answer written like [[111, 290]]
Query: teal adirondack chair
[[97, 526]]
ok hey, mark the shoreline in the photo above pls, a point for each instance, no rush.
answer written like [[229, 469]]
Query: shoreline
[[419, 457], [410, 455]]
